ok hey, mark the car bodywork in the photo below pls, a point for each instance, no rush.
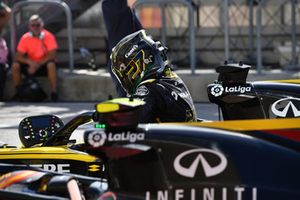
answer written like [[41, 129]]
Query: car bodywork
[[194, 162], [237, 160], [59, 159], [239, 99], [27, 183], [49, 151], [255, 158], [246, 159]]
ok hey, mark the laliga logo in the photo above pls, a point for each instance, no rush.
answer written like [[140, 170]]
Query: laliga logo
[[96, 139], [199, 160], [217, 90], [288, 102]]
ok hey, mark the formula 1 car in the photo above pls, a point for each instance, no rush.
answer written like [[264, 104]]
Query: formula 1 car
[[50, 165], [208, 160], [20, 182], [239, 99], [237, 159], [44, 148]]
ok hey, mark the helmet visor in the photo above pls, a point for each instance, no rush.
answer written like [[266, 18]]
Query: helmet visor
[[129, 74]]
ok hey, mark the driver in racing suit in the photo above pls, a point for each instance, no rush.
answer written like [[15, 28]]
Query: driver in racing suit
[[143, 70]]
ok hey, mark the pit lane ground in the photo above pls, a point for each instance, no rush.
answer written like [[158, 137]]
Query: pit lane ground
[[12, 113]]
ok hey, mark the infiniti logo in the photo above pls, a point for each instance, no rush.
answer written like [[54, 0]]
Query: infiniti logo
[[200, 159], [287, 104]]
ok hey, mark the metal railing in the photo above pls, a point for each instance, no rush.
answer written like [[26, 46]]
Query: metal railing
[[251, 31], [163, 4], [253, 41], [288, 29], [59, 3]]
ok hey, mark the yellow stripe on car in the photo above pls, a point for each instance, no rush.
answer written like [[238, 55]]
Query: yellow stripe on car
[[247, 125], [293, 81], [45, 153], [94, 168]]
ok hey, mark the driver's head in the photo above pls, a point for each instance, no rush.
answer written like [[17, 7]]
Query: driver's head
[[35, 24], [136, 58]]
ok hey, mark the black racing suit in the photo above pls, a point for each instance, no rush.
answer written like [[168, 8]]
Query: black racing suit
[[120, 20], [167, 100]]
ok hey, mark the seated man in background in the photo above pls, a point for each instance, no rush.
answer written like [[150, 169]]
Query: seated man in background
[[144, 71], [36, 56]]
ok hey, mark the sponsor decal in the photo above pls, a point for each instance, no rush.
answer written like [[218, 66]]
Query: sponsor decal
[[122, 67], [142, 91], [134, 47], [94, 168], [174, 95], [199, 161], [282, 107], [148, 60], [205, 193], [182, 95], [238, 89], [60, 168], [218, 90], [97, 138], [125, 136]]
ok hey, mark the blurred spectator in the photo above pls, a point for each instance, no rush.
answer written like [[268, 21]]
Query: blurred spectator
[[120, 20], [35, 56], [4, 17]]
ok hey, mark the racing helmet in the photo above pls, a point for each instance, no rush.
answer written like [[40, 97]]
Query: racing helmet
[[137, 58]]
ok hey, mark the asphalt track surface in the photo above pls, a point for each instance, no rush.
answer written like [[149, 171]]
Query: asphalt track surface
[[12, 113]]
